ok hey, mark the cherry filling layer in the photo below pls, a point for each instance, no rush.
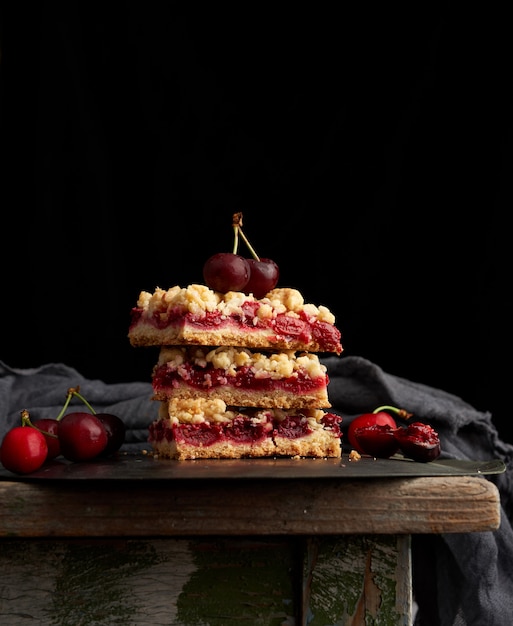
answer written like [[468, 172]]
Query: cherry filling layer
[[204, 378], [296, 426], [282, 326], [241, 429]]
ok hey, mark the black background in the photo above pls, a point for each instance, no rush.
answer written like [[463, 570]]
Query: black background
[[369, 151]]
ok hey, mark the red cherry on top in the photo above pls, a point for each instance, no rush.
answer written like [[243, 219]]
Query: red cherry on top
[[225, 272], [263, 277]]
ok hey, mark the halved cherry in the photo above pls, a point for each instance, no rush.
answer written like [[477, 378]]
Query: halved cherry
[[419, 442], [381, 415], [378, 440]]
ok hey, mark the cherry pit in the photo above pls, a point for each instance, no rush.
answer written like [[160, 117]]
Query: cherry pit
[[229, 271], [378, 434], [76, 436]]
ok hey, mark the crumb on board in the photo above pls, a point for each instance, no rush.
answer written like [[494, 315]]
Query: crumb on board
[[354, 455]]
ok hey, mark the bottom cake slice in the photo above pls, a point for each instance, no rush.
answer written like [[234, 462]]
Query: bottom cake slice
[[208, 429]]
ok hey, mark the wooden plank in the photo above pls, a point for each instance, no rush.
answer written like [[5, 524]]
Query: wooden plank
[[354, 580], [277, 582], [386, 506], [137, 582]]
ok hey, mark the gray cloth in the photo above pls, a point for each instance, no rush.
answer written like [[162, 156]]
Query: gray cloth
[[42, 392], [460, 578]]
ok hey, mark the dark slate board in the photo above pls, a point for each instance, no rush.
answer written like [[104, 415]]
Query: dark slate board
[[137, 466]]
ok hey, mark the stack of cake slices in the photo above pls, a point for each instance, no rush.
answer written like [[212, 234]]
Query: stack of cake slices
[[238, 376]]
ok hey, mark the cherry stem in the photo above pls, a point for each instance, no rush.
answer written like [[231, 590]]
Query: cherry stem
[[81, 397], [25, 418], [237, 228], [253, 253], [74, 391], [26, 421], [235, 239], [402, 413]]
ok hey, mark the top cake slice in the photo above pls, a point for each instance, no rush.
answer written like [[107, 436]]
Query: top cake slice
[[196, 315]]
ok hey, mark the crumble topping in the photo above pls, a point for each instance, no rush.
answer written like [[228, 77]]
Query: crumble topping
[[197, 411], [199, 299], [274, 365]]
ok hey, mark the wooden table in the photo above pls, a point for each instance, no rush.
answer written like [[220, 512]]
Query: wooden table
[[289, 542]]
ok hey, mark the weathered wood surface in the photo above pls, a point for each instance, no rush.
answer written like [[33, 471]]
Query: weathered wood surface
[[138, 582], [357, 580], [349, 580], [283, 507]]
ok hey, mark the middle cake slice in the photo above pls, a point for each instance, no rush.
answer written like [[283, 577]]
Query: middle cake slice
[[241, 377]]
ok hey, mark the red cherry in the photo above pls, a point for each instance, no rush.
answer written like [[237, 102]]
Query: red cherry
[[115, 429], [381, 418], [378, 440], [225, 272], [263, 277], [23, 450], [419, 442], [82, 436], [49, 425]]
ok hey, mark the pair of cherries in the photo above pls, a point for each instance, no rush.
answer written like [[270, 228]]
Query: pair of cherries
[[226, 271], [229, 271], [378, 434]]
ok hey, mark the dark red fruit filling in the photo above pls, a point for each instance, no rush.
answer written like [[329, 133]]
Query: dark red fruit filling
[[333, 422], [292, 327], [292, 427], [327, 336], [198, 434], [249, 310], [210, 377], [284, 326], [242, 429], [296, 426], [135, 316]]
